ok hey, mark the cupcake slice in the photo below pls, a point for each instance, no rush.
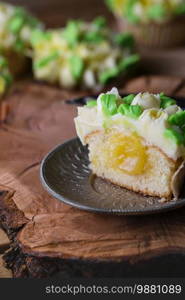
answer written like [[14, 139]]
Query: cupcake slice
[[155, 23], [84, 55], [16, 26], [137, 142]]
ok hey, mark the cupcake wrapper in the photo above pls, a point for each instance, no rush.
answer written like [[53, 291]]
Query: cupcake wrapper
[[163, 35]]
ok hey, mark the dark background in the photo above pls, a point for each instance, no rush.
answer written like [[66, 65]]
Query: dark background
[[55, 12]]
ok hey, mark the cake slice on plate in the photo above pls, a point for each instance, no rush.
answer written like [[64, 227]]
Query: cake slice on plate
[[137, 141]]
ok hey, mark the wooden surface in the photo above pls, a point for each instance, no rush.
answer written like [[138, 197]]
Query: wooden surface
[[48, 236], [4, 272]]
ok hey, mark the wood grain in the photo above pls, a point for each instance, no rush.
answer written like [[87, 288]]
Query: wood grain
[[4, 272], [47, 235], [4, 241]]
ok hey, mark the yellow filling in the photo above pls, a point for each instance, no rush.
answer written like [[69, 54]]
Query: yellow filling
[[126, 153]]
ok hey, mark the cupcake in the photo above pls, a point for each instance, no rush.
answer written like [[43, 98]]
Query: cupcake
[[154, 23], [16, 25], [82, 55]]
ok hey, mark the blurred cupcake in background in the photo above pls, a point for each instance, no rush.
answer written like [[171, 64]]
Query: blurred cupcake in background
[[82, 55], [16, 26], [155, 23]]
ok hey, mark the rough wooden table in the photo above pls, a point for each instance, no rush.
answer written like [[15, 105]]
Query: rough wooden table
[[49, 237]]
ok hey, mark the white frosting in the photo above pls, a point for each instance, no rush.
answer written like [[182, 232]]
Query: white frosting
[[147, 100], [150, 125]]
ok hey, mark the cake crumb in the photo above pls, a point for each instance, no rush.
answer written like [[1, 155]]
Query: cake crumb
[[163, 200]]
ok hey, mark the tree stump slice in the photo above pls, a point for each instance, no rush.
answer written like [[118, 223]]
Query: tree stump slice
[[48, 236], [4, 272], [4, 241]]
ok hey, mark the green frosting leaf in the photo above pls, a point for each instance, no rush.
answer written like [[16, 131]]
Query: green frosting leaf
[[19, 45], [16, 24], [46, 60], [109, 105], [8, 78], [128, 62], [110, 3], [33, 22], [3, 62], [108, 75], [156, 12], [174, 135], [76, 66], [99, 22], [19, 19], [166, 101], [124, 109], [129, 11], [72, 32], [180, 9], [39, 35], [20, 11], [128, 99], [125, 39], [132, 111], [135, 111], [177, 119], [91, 103], [93, 37]]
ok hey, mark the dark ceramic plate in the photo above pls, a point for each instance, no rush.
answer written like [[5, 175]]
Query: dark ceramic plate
[[66, 176]]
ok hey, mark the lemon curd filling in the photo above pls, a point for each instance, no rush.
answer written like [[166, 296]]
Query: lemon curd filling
[[126, 153]]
